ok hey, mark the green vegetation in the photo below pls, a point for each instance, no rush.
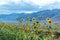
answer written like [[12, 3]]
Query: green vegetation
[[33, 30]]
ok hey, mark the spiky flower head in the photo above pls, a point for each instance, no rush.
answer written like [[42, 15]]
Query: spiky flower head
[[33, 19], [48, 20]]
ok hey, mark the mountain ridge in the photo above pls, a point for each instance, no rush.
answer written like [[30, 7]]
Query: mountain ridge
[[53, 14]]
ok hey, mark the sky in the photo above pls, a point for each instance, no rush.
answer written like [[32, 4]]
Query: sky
[[27, 6]]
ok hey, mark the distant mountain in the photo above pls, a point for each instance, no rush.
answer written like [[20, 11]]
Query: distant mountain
[[53, 14]]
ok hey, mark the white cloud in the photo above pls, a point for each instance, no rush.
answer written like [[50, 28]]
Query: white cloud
[[2, 2], [36, 2], [58, 0], [15, 1], [41, 2]]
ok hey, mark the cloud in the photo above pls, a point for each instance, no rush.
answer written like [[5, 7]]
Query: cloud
[[11, 6], [58, 0], [15, 11], [44, 2], [17, 5], [25, 5], [40, 2], [2, 2], [32, 2]]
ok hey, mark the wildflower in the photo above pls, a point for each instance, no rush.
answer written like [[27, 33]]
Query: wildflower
[[21, 20], [28, 18], [26, 29], [20, 30], [36, 24], [48, 20], [33, 19], [41, 17]]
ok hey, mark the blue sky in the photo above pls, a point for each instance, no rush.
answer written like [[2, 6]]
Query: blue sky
[[27, 6]]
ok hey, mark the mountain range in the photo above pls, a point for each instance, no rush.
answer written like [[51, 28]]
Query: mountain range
[[53, 14]]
